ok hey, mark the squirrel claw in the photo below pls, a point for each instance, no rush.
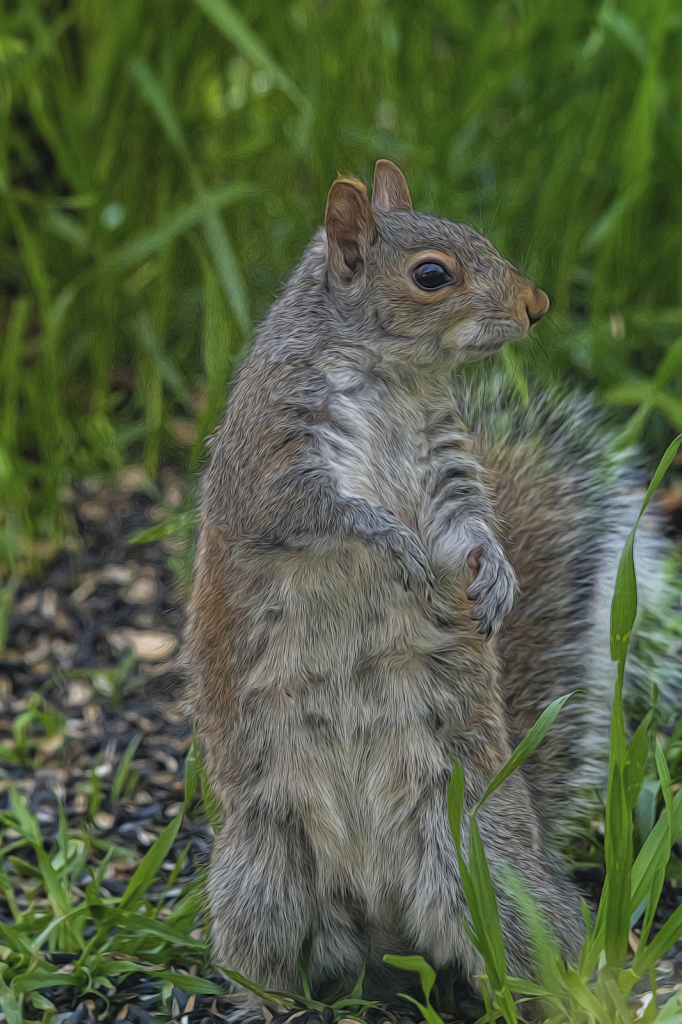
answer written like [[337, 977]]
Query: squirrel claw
[[492, 589]]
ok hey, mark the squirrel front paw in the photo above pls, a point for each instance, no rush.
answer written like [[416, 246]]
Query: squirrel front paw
[[493, 587], [409, 559]]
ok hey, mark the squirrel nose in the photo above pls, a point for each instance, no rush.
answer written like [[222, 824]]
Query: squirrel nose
[[537, 304]]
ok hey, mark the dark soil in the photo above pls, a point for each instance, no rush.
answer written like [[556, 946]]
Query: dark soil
[[69, 639]]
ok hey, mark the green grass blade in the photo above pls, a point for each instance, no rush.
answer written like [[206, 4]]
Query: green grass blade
[[142, 924], [667, 936], [582, 995], [150, 864], [530, 743], [193, 764], [39, 941], [653, 850], [427, 1013], [664, 776], [154, 94], [30, 981], [614, 908], [418, 964], [124, 767], [163, 365], [484, 910], [671, 1011], [270, 997], [633, 776], [234, 27], [624, 604], [11, 1006], [227, 268]]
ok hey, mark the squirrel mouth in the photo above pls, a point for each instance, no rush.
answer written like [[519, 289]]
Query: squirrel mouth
[[484, 336]]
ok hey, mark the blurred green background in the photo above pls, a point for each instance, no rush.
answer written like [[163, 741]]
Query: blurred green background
[[163, 164]]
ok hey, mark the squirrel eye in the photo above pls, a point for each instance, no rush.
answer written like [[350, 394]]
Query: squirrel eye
[[431, 276]]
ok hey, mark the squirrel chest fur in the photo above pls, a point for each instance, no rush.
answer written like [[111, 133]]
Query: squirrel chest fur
[[392, 570], [386, 444]]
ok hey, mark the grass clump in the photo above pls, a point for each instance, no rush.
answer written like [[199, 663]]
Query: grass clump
[[69, 932], [162, 166]]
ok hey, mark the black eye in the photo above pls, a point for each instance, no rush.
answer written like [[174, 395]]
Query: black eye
[[431, 276]]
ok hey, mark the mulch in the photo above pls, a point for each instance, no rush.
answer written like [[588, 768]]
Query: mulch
[[67, 636], [97, 635]]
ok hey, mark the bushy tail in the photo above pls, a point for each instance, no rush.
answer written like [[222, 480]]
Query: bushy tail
[[568, 499]]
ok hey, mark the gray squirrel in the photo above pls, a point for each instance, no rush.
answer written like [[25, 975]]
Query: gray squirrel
[[395, 567]]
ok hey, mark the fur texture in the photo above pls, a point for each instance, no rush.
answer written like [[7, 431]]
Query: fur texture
[[569, 499], [336, 640]]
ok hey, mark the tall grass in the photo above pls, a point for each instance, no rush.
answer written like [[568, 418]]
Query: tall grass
[[162, 165]]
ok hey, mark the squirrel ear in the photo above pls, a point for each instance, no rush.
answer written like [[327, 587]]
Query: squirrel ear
[[390, 190], [350, 227]]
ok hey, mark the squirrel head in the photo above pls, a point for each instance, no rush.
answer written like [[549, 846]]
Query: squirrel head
[[432, 290]]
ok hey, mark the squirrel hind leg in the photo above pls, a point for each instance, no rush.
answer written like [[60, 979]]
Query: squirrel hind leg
[[258, 928]]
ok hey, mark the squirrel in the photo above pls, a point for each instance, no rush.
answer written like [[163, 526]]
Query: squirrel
[[395, 567]]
